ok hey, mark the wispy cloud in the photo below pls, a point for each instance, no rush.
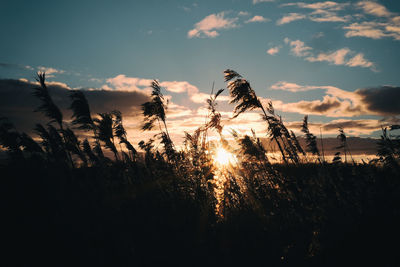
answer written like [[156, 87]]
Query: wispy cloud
[[343, 56], [273, 50], [128, 84], [15, 66], [319, 12], [257, 19], [374, 8], [374, 30], [352, 127], [382, 24], [328, 5], [298, 48], [290, 17], [134, 84], [208, 26], [380, 101], [243, 13], [336, 57], [262, 1], [50, 72]]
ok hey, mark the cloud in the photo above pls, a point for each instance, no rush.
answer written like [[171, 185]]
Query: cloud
[[201, 98], [262, 1], [337, 57], [321, 15], [374, 8], [328, 5], [359, 61], [128, 84], [383, 24], [257, 19], [50, 71], [293, 87], [180, 87], [319, 12], [341, 56], [290, 17], [273, 50], [380, 101], [15, 66], [351, 127], [18, 103], [134, 84], [243, 13], [298, 48], [374, 30], [208, 26]]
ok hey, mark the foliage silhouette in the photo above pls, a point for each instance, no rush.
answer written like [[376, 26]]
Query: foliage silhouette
[[180, 207]]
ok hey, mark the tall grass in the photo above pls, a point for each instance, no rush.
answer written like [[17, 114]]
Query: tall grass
[[155, 207]]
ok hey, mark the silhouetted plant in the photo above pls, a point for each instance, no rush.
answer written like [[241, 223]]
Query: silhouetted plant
[[105, 132], [47, 107], [246, 99], [9, 138], [389, 148], [154, 111], [310, 138]]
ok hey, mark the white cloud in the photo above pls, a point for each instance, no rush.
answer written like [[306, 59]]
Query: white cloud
[[124, 83], [243, 13], [273, 50], [337, 57], [201, 98], [359, 61], [257, 19], [262, 1], [298, 48], [341, 56], [328, 5], [374, 30], [180, 87], [50, 72], [290, 17], [321, 15], [374, 8], [319, 12], [207, 27]]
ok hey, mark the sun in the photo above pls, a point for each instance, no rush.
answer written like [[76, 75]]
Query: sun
[[223, 157]]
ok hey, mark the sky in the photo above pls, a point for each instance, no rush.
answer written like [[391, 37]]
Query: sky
[[336, 61]]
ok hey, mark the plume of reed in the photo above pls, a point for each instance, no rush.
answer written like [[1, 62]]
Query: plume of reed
[[81, 116], [105, 132], [120, 133], [73, 145], [245, 99], [155, 111], [389, 148], [9, 138], [311, 139], [87, 149], [47, 107], [343, 144], [30, 145]]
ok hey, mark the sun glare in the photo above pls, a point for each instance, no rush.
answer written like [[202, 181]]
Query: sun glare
[[223, 157]]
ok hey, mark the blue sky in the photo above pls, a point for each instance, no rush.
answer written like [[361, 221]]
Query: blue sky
[[328, 59]]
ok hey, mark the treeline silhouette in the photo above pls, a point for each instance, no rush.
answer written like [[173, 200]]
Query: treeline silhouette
[[67, 203]]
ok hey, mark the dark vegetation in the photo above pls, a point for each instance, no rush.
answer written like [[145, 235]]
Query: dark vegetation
[[66, 203]]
